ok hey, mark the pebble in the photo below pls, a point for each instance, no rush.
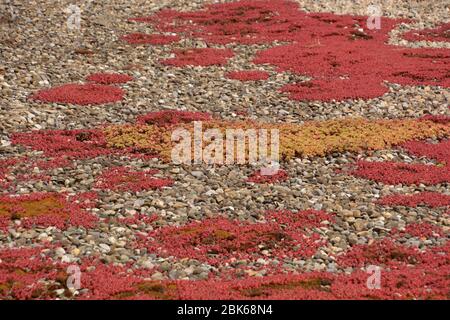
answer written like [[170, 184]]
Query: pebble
[[165, 266], [157, 276], [60, 251], [360, 224], [104, 247], [148, 264]]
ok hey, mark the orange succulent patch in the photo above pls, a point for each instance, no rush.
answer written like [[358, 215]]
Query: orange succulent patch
[[32, 207], [314, 284], [46, 209], [150, 290]]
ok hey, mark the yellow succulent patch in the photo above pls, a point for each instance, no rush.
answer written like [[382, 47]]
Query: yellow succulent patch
[[135, 136], [314, 138], [353, 135]]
